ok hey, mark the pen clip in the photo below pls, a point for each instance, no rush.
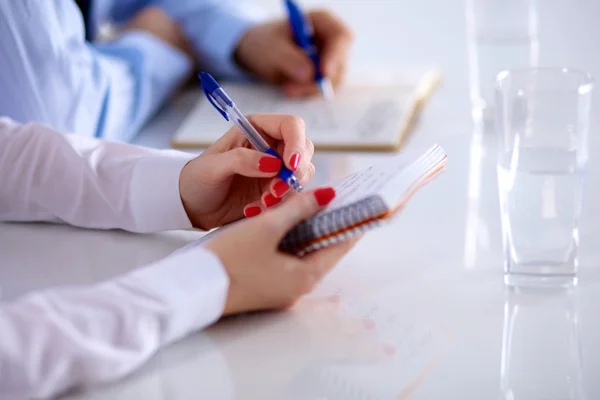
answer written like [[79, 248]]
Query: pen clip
[[213, 101], [209, 85]]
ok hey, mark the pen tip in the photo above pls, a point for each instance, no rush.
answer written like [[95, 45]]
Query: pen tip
[[327, 89], [294, 183]]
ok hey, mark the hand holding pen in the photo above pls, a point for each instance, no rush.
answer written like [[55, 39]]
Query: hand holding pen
[[230, 111], [304, 36], [271, 52], [249, 169]]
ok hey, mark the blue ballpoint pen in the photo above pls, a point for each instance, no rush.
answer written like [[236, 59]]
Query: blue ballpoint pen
[[304, 37], [219, 99]]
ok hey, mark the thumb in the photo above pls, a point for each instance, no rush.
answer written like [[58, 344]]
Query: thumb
[[299, 208]]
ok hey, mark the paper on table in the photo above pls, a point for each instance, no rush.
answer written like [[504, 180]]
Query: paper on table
[[357, 117]]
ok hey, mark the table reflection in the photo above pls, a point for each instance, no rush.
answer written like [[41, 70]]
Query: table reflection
[[483, 238], [39, 256], [389, 361], [541, 348]]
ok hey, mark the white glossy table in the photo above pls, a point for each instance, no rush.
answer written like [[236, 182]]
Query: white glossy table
[[418, 309]]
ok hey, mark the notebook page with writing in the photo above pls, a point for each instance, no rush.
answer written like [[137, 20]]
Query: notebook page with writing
[[425, 167], [360, 117], [355, 116], [364, 199], [369, 182]]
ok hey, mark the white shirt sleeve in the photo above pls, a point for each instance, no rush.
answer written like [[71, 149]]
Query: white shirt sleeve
[[49, 176], [57, 339]]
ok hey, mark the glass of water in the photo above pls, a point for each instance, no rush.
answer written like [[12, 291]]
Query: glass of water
[[502, 34], [542, 124]]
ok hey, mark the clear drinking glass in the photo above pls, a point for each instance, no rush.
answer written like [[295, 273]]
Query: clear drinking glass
[[502, 34], [542, 123]]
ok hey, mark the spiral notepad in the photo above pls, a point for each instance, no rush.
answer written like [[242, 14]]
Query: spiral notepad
[[365, 200]]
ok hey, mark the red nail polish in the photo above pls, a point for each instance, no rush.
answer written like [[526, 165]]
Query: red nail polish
[[271, 200], [294, 161], [269, 164], [324, 196], [251, 211], [280, 188]]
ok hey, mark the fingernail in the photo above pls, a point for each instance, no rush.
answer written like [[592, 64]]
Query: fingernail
[[369, 324], [252, 211], [269, 164], [324, 196], [294, 161], [389, 349], [280, 188], [271, 200]]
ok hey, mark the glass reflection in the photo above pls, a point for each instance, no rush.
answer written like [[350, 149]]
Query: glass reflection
[[502, 34], [541, 349], [483, 241]]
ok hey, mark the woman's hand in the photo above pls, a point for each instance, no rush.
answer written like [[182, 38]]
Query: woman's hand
[[270, 53], [260, 276], [231, 179]]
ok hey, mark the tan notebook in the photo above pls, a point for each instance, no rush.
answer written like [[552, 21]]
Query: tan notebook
[[373, 117]]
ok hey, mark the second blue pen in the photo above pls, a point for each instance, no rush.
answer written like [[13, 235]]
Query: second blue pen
[[304, 37], [219, 99]]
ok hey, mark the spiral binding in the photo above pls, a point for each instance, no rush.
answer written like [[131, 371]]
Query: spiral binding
[[328, 228], [334, 226]]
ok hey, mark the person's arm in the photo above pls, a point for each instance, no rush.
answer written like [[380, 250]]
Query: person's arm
[[234, 39], [213, 27], [49, 176], [50, 74], [58, 339]]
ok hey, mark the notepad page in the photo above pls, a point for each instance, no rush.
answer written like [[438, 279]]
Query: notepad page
[[357, 116], [400, 186], [389, 180]]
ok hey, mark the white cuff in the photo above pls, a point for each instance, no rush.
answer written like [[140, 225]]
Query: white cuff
[[154, 193], [192, 285]]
